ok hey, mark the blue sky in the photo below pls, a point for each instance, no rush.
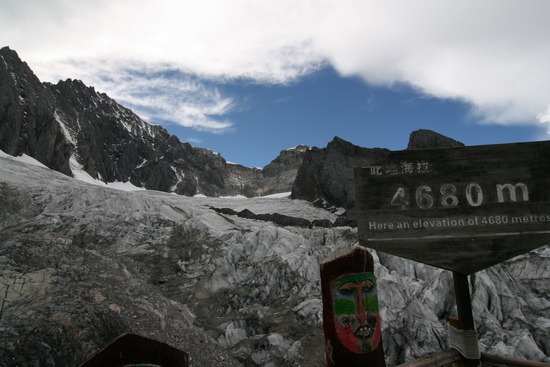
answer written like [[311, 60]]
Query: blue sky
[[250, 78], [324, 105]]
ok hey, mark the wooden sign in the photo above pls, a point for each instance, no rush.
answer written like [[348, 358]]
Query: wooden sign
[[131, 349], [462, 209], [351, 318]]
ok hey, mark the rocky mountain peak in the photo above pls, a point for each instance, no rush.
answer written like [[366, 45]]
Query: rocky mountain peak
[[425, 139], [340, 144]]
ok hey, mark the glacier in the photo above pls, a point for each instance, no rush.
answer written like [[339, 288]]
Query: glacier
[[82, 263]]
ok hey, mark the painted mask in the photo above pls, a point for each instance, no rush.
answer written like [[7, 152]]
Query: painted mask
[[356, 316]]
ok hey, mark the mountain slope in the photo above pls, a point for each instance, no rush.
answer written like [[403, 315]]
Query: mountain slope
[[70, 125]]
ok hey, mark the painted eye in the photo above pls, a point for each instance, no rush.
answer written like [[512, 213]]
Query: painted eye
[[368, 285], [347, 289]]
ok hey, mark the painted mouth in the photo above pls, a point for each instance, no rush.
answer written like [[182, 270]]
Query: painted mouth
[[360, 330], [363, 331], [366, 329]]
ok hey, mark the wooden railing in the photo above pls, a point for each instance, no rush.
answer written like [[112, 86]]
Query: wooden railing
[[453, 358], [497, 361]]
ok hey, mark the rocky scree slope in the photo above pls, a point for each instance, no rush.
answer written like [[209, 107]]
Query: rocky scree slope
[[80, 264], [68, 124]]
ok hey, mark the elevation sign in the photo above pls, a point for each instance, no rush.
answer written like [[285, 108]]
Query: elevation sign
[[462, 209]]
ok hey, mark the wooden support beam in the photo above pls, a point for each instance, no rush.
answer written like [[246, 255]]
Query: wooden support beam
[[494, 360], [435, 360], [464, 309]]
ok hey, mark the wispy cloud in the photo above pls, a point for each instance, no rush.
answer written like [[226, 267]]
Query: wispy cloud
[[492, 54], [158, 93]]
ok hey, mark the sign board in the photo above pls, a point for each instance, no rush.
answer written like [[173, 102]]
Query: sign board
[[462, 209]]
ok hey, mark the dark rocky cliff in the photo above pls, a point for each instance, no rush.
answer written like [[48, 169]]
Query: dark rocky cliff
[[27, 116], [327, 173]]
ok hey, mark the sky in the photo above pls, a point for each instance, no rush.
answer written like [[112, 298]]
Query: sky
[[249, 78]]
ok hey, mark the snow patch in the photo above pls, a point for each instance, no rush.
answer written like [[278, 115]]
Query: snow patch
[[81, 175], [23, 158], [65, 129], [124, 186], [30, 160], [281, 195]]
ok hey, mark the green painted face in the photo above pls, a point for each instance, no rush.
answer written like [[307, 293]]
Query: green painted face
[[349, 289], [355, 307]]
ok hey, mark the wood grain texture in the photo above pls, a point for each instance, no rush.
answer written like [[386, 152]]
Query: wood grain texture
[[462, 209]]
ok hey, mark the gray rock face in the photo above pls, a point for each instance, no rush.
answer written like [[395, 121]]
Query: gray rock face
[[425, 139], [327, 173], [80, 264], [54, 123], [27, 115], [281, 172]]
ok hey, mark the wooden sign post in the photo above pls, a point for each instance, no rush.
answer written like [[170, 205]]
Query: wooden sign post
[[351, 319], [462, 209]]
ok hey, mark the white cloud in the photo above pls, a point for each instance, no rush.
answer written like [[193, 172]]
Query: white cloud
[[492, 53], [544, 118], [158, 94]]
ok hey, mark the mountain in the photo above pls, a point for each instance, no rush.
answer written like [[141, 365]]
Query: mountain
[[81, 264], [69, 126], [327, 173]]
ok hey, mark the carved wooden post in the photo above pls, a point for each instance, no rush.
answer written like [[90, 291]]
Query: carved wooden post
[[351, 318]]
